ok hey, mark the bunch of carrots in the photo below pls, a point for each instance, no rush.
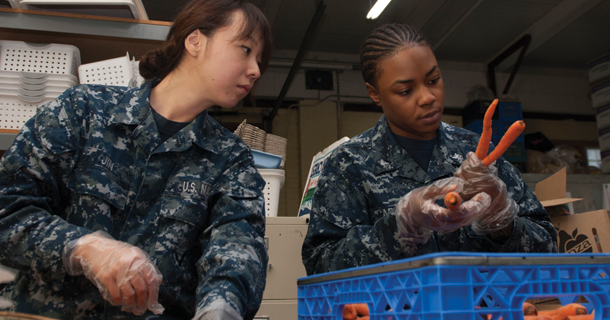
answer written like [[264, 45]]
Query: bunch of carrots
[[572, 311], [453, 199]]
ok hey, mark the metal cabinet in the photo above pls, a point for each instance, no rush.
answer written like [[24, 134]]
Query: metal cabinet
[[284, 237]]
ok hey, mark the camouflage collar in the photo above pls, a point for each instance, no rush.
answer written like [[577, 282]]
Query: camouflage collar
[[389, 156], [133, 109], [133, 106]]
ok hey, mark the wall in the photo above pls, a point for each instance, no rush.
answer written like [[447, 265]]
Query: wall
[[546, 90], [311, 125]]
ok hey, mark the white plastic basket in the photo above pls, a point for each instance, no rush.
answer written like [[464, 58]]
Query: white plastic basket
[[133, 9], [275, 181], [44, 58], [15, 111], [38, 78], [111, 72], [33, 89]]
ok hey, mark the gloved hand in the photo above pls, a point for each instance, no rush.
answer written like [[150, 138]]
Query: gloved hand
[[123, 273], [480, 178], [418, 215]]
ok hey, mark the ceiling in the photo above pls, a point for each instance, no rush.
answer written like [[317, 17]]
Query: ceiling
[[564, 33]]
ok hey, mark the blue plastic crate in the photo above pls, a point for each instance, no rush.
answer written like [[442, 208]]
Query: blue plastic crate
[[515, 153], [509, 111], [506, 125], [456, 285], [497, 128]]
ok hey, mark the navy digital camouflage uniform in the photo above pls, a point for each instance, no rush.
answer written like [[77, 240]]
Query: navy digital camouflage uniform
[[93, 160], [353, 218]]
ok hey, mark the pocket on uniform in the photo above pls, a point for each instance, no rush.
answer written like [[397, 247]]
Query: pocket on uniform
[[186, 201], [182, 219], [381, 212], [97, 181]]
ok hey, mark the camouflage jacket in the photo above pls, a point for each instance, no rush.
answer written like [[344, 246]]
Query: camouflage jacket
[[92, 159], [353, 219]]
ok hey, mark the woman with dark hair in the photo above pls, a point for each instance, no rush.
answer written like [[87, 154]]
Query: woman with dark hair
[[378, 196], [132, 203]]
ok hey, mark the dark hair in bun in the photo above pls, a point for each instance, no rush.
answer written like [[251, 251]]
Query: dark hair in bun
[[207, 16]]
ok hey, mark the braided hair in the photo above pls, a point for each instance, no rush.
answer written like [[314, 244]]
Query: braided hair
[[385, 41]]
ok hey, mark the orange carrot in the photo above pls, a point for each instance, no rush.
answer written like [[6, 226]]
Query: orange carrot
[[349, 312], [582, 317], [529, 309], [485, 139], [509, 137], [562, 313], [537, 318], [355, 311], [453, 200]]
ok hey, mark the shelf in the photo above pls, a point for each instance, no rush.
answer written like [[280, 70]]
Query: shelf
[[83, 24], [98, 38]]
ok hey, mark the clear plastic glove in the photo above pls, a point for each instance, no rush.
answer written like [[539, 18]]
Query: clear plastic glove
[[479, 178], [418, 215], [123, 273]]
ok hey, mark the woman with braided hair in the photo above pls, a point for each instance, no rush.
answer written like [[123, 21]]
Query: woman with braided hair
[[378, 196], [133, 203]]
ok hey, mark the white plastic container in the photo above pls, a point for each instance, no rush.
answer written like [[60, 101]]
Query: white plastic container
[[111, 72], [44, 58], [275, 180], [130, 9], [16, 110], [39, 78]]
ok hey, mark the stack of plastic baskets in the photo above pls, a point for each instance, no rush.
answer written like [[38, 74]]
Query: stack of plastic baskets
[[31, 75], [274, 179], [464, 286], [112, 72]]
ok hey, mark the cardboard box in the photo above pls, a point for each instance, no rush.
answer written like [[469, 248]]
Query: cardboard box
[[551, 192], [576, 233], [584, 232]]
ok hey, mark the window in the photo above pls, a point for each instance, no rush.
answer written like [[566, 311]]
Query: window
[[594, 158]]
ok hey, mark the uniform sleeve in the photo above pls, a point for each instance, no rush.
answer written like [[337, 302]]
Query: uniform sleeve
[[532, 228], [233, 266], [342, 231], [33, 193]]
